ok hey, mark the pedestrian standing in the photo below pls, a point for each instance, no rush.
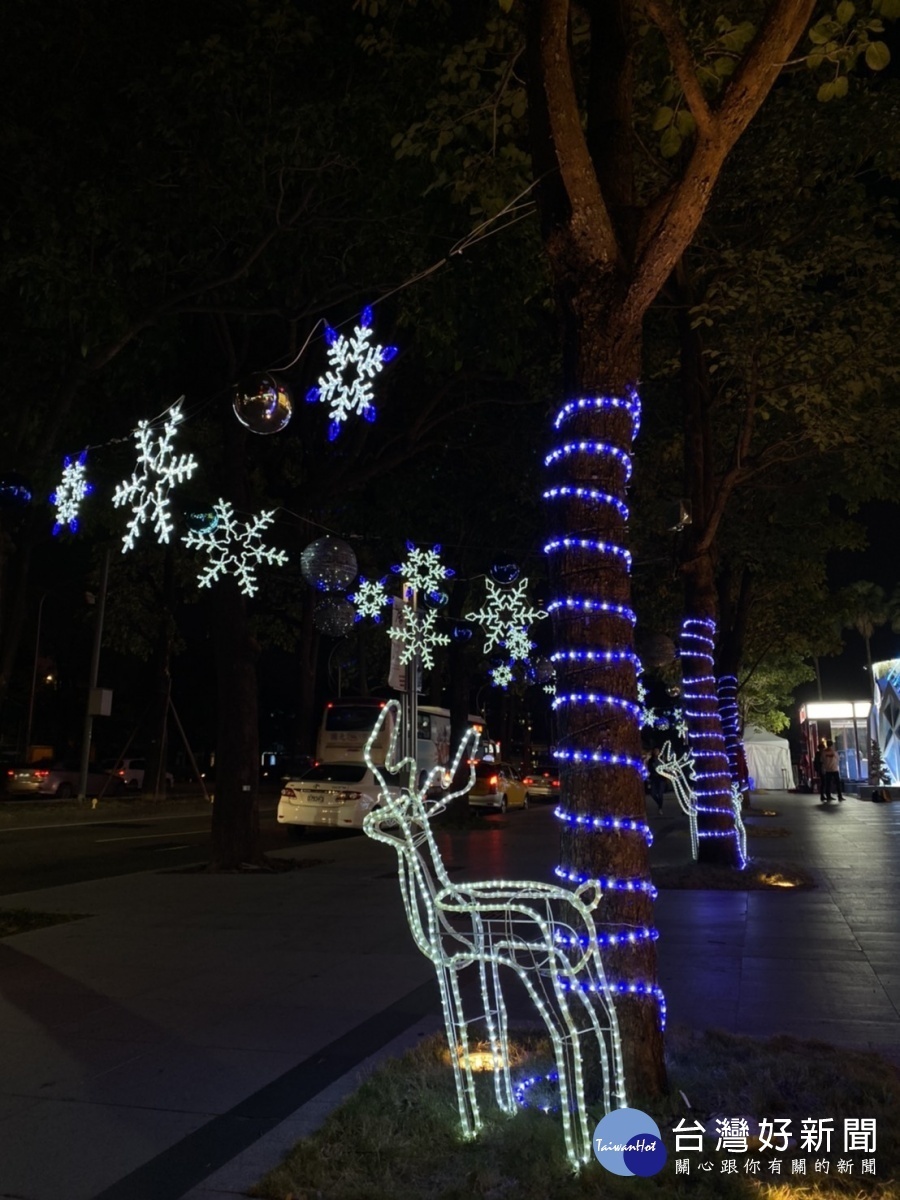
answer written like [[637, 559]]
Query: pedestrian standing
[[657, 781], [832, 765], [819, 768]]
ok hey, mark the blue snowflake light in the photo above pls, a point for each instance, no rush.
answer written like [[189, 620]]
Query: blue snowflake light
[[72, 489], [355, 362]]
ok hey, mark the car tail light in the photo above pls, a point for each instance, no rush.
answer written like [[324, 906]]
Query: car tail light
[[527, 780], [349, 797], [554, 782], [493, 781], [289, 792], [42, 774], [11, 774]]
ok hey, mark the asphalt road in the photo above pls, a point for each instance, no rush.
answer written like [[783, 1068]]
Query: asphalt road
[[47, 855]]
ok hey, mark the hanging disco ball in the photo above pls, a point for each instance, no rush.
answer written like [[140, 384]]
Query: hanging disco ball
[[328, 564], [461, 633], [262, 403], [656, 650], [504, 572], [437, 599], [201, 520], [334, 616], [15, 490], [544, 670]]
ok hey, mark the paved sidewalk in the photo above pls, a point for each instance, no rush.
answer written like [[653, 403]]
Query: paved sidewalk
[[180, 1038]]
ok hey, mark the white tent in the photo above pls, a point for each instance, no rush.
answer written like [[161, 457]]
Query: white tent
[[768, 759]]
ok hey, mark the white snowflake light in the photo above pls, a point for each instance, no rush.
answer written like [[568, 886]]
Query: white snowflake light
[[355, 361], [73, 487], [157, 470], [418, 636], [370, 598], [235, 548], [505, 611], [518, 644], [502, 676], [550, 688], [422, 570]]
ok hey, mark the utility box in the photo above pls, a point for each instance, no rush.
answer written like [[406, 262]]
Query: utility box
[[100, 702]]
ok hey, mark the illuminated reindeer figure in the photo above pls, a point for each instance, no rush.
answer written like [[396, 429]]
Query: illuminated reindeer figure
[[676, 770], [496, 924]]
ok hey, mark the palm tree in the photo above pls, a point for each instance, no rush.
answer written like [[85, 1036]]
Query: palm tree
[[865, 607]]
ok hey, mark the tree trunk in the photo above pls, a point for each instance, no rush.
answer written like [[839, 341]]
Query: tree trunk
[[599, 744]]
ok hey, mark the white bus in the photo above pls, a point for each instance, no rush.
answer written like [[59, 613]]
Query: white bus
[[347, 724]]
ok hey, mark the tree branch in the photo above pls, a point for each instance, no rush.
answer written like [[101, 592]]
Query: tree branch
[[668, 24]]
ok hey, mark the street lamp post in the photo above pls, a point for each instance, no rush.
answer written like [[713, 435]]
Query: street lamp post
[[95, 671], [37, 648]]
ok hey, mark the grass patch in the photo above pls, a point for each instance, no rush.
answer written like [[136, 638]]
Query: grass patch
[[397, 1137], [23, 920], [757, 876]]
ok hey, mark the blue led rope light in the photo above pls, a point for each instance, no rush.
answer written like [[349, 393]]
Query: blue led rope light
[[635, 989], [592, 494], [585, 605], [598, 700], [697, 643], [630, 404], [584, 450], [601, 449], [629, 934], [589, 544], [614, 824], [607, 656]]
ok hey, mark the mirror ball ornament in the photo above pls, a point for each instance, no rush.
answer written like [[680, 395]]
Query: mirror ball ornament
[[15, 490], [328, 564], [262, 403], [544, 670], [334, 616], [201, 520], [461, 633], [437, 599], [505, 572], [656, 650]]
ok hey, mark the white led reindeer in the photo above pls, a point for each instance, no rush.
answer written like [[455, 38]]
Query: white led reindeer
[[493, 925], [676, 770]]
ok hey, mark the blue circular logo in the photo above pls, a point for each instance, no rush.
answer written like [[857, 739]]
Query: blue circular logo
[[628, 1142]]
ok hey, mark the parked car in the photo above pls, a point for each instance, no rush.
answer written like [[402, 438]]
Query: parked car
[[497, 785], [62, 779], [329, 794], [131, 772], [542, 783], [20, 782]]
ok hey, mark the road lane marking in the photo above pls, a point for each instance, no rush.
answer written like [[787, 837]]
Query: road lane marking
[[138, 837]]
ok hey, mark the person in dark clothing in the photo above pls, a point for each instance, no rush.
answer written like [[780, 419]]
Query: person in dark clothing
[[819, 768], [657, 781], [832, 765]]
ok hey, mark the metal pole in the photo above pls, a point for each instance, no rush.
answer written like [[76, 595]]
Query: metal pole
[[95, 671], [37, 648]]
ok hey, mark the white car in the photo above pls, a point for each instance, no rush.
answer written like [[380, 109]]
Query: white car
[[329, 795], [131, 772]]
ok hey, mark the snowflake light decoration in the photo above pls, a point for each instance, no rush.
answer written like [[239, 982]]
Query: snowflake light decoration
[[505, 611], [518, 644], [355, 361], [235, 548], [550, 688], [422, 570], [72, 489], [502, 676], [157, 470], [418, 636], [370, 598]]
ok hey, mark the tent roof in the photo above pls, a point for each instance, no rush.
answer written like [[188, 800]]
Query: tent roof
[[755, 733]]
